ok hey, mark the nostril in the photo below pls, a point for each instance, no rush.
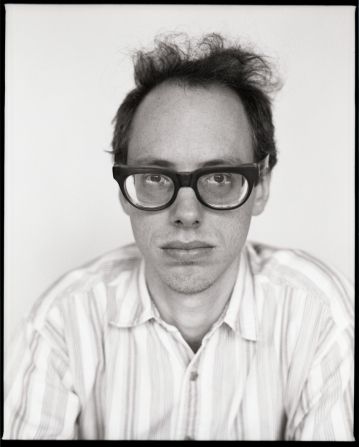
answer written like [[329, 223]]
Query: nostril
[[180, 222], [186, 210]]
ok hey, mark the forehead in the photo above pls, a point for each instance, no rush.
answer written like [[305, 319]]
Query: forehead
[[189, 126]]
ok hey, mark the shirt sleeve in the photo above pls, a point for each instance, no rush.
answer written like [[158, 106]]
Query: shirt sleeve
[[39, 398], [324, 411]]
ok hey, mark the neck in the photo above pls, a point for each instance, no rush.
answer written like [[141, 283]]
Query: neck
[[192, 314]]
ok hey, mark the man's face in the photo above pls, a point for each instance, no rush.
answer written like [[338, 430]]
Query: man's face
[[187, 128]]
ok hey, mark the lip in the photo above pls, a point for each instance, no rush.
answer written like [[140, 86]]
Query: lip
[[190, 245], [189, 252]]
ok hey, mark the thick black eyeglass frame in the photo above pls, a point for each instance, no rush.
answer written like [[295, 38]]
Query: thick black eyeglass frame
[[251, 171]]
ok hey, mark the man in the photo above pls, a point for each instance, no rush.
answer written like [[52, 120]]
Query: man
[[193, 333]]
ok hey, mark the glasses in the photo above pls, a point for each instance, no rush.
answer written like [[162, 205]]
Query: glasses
[[152, 188]]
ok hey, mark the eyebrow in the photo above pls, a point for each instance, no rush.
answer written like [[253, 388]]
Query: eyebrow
[[148, 161]]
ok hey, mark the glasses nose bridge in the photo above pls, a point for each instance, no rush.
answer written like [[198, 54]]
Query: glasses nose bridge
[[185, 179]]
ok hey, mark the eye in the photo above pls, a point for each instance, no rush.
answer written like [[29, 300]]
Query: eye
[[219, 178], [156, 179]]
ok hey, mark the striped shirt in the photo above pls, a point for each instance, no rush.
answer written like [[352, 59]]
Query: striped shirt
[[96, 361]]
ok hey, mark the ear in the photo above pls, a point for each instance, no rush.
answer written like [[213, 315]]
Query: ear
[[126, 206], [261, 192]]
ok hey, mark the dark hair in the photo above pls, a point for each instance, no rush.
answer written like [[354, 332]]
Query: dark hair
[[207, 62]]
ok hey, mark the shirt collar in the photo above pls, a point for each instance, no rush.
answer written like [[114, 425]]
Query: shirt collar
[[129, 302], [241, 313]]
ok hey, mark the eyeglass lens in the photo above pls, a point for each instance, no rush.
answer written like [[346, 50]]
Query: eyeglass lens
[[149, 190], [217, 189], [221, 189]]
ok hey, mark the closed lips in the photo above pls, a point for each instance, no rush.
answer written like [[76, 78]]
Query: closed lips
[[177, 245]]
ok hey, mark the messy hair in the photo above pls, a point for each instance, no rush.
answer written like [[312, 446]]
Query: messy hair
[[208, 61]]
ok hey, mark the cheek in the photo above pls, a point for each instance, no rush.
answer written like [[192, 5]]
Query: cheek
[[235, 227], [144, 227], [238, 228]]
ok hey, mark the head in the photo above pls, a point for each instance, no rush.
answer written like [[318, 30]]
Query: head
[[193, 108]]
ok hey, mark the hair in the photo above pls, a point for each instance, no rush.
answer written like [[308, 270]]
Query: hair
[[209, 61]]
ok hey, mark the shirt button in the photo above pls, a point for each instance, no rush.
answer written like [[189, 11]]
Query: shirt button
[[194, 375]]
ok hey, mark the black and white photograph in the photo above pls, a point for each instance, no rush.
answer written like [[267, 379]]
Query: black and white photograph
[[179, 216]]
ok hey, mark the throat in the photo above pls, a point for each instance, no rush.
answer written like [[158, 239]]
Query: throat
[[193, 335], [194, 344], [193, 323]]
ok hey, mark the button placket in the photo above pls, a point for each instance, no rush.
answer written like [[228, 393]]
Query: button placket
[[189, 433]]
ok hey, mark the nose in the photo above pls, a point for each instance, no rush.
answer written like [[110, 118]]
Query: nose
[[186, 210]]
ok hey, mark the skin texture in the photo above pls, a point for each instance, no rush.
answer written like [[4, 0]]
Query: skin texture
[[188, 127]]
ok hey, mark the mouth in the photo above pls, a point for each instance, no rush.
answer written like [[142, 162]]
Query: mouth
[[187, 252]]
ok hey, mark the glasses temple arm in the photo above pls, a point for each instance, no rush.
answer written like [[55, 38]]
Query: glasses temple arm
[[263, 167]]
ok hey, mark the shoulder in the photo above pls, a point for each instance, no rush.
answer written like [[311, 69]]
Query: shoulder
[[299, 273], [296, 268], [86, 283]]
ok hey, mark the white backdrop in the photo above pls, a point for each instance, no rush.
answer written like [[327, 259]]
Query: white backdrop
[[67, 70]]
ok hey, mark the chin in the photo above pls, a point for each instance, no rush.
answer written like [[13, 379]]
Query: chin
[[189, 281]]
